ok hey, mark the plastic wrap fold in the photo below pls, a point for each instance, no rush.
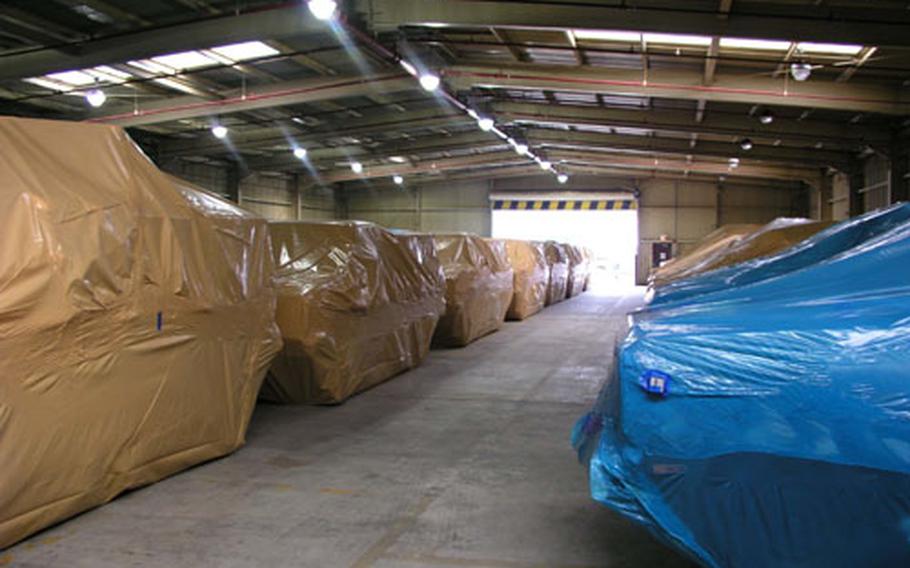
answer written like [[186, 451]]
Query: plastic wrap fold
[[532, 276], [357, 305], [136, 321], [558, 265], [579, 271], [478, 287], [766, 423]]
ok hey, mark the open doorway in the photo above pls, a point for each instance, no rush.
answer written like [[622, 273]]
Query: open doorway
[[609, 227]]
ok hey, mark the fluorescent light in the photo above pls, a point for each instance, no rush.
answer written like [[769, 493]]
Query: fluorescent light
[[545, 165], [766, 117], [77, 78], [397, 159], [95, 97], [299, 153], [408, 67], [184, 60], [745, 144], [486, 124], [398, 179], [521, 149], [473, 114], [219, 131], [607, 35], [829, 48], [734, 162], [677, 39], [322, 9], [755, 44], [356, 167], [429, 82], [562, 178], [245, 50]]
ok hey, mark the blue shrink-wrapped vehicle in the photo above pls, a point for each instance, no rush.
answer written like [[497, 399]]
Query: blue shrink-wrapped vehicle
[[766, 423], [824, 244]]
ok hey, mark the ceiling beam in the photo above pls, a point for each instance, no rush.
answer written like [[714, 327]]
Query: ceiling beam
[[569, 140], [383, 122], [841, 24], [275, 95], [684, 84], [572, 160], [832, 135], [681, 165], [284, 21]]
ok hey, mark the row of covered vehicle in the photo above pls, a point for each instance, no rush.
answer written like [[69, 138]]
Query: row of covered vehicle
[[141, 317]]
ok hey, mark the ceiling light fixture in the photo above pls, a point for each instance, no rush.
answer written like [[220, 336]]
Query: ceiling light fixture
[[299, 153], [766, 117], [429, 82], [745, 144], [486, 124], [219, 131], [521, 149], [562, 178], [545, 165], [397, 159], [323, 9], [356, 167], [734, 162], [408, 67], [800, 71], [95, 97], [398, 179]]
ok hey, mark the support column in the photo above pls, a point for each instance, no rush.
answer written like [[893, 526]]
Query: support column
[[825, 196], [857, 179], [900, 169], [232, 183]]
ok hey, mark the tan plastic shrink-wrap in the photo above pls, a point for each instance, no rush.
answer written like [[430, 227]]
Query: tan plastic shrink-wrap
[[733, 244], [136, 321], [712, 245], [357, 305], [478, 288], [558, 263], [774, 237], [578, 271], [531, 278]]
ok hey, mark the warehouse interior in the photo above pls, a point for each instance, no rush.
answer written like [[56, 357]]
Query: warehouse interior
[[627, 128]]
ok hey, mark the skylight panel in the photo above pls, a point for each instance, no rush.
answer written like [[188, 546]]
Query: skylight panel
[[151, 66], [246, 50], [608, 35], [678, 39], [176, 85], [754, 44], [47, 84], [185, 60], [74, 78], [108, 74], [829, 48]]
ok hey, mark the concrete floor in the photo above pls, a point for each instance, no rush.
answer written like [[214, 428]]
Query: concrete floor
[[464, 462]]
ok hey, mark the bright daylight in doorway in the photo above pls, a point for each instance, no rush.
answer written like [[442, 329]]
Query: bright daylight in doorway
[[611, 234]]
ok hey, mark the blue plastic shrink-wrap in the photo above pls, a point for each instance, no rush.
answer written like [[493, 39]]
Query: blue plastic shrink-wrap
[[767, 423], [825, 244]]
